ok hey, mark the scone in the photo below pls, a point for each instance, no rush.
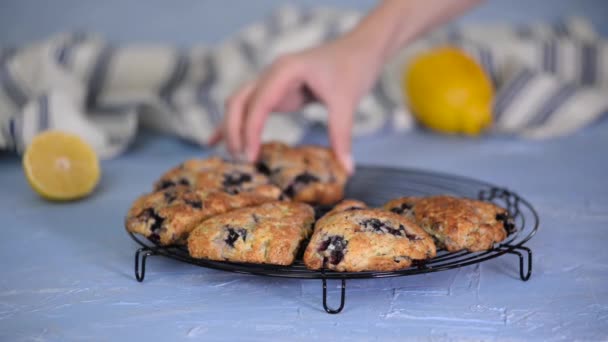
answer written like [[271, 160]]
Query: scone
[[310, 174], [352, 238], [456, 223], [349, 204], [267, 234], [167, 216], [213, 174]]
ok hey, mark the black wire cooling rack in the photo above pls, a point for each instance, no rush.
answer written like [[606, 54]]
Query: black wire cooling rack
[[376, 185]]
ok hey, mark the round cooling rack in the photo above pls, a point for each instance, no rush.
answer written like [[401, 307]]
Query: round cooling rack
[[376, 185]]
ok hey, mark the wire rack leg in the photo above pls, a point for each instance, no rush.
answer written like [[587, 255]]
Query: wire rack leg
[[342, 298], [524, 275], [145, 252]]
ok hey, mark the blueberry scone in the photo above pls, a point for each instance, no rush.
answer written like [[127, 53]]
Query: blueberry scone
[[168, 216], [310, 174], [456, 223], [213, 173], [353, 238], [349, 204], [267, 234]]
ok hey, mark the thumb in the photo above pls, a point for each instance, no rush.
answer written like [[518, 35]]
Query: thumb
[[340, 124]]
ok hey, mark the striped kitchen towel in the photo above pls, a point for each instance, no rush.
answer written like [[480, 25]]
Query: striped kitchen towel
[[551, 80]]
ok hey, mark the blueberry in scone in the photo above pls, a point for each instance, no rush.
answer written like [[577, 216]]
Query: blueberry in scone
[[270, 233], [167, 216], [213, 174], [353, 238], [456, 223], [310, 174]]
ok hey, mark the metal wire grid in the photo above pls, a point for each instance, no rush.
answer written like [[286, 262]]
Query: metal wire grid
[[376, 185]]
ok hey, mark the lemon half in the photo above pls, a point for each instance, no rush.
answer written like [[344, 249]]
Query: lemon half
[[448, 91], [61, 166]]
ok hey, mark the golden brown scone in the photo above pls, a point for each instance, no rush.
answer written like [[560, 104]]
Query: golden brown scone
[[267, 234], [310, 174], [456, 223], [347, 205], [167, 216], [362, 239], [213, 174]]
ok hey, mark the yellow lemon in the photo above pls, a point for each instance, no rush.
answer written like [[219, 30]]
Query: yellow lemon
[[448, 91], [61, 166]]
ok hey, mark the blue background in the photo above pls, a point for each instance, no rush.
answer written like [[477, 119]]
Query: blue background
[[189, 21]]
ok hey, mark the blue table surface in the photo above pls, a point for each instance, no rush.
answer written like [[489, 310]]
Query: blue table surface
[[68, 268]]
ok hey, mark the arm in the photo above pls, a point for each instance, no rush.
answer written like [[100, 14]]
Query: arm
[[395, 23], [336, 74]]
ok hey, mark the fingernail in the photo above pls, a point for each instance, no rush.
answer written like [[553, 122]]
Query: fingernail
[[251, 154], [240, 157], [348, 163]]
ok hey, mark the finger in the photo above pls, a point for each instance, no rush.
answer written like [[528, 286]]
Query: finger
[[236, 108], [216, 137], [281, 80], [340, 123], [292, 101]]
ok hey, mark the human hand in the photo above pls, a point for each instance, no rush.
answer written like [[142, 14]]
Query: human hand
[[335, 74]]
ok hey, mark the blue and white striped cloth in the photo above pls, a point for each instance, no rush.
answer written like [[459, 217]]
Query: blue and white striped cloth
[[551, 80]]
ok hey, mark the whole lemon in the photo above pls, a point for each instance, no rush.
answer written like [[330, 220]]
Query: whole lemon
[[448, 91]]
